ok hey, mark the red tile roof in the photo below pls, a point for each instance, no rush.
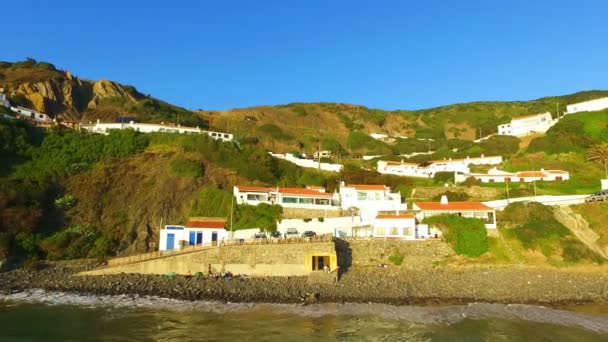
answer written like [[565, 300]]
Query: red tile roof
[[304, 191], [531, 174], [395, 216], [247, 188], [461, 206], [367, 186], [206, 224], [557, 171]]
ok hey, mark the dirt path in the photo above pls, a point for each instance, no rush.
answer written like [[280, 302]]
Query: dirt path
[[580, 228]]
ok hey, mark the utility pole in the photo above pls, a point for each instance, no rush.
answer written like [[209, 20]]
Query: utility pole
[[534, 184], [507, 185]]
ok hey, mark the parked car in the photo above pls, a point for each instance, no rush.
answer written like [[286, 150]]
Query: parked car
[[276, 234], [309, 233], [260, 235], [291, 232], [598, 196]]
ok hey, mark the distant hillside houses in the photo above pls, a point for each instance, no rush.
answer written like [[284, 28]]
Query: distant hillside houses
[[524, 125], [309, 163], [498, 176], [4, 101], [104, 128], [587, 106], [430, 168]]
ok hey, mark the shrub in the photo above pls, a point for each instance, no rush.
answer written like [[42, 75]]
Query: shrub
[[471, 181], [444, 177], [396, 259], [186, 168], [453, 196], [65, 202], [573, 251], [467, 236]]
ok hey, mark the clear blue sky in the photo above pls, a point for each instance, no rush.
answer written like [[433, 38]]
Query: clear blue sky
[[384, 54]]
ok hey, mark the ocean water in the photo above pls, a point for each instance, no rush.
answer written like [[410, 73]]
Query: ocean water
[[50, 316]]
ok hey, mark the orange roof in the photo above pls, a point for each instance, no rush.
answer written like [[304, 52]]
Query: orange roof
[[367, 187], [253, 188], [462, 206], [206, 224], [395, 216], [556, 171], [304, 191], [527, 116], [391, 162], [531, 174]]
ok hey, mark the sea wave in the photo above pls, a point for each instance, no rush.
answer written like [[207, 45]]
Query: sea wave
[[428, 315]]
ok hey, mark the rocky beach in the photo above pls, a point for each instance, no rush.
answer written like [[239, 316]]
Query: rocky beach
[[389, 285]]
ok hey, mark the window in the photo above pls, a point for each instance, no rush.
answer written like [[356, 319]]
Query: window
[[256, 197], [320, 262], [307, 200], [322, 201], [407, 231], [361, 196], [290, 200], [394, 231], [226, 136], [381, 231]]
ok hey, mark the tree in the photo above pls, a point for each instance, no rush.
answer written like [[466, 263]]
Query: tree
[[599, 153]]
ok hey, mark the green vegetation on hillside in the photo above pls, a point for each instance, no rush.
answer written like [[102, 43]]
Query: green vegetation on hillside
[[467, 236]]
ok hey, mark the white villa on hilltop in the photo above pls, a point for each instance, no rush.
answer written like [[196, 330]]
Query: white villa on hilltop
[[587, 106], [428, 169], [104, 128], [524, 125]]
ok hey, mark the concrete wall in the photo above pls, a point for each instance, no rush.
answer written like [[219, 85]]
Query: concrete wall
[[374, 252], [310, 213], [252, 260]]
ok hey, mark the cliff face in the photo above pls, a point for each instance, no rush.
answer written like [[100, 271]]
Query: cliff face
[[67, 98]]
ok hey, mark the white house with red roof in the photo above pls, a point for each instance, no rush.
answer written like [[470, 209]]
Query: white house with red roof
[[370, 199], [106, 127], [305, 198], [464, 209], [197, 231], [428, 169], [498, 176], [524, 125]]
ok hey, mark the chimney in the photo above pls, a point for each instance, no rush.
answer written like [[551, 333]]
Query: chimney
[[342, 184], [444, 199]]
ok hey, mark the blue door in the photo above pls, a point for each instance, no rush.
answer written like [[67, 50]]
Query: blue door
[[170, 241], [199, 238], [192, 239]]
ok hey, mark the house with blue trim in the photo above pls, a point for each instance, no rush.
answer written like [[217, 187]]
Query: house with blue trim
[[197, 231]]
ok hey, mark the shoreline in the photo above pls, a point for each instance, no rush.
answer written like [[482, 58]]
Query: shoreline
[[394, 286]]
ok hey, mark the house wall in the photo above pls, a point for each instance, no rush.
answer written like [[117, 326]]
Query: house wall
[[252, 260], [183, 234], [539, 123], [587, 106], [406, 228], [338, 226]]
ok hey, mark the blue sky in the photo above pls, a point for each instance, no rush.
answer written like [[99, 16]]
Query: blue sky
[[382, 54]]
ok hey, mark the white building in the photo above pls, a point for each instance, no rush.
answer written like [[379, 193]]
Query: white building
[[429, 169], [398, 226], [524, 125], [464, 209], [104, 128], [370, 199], [309, 163], [4, 101], [498, 176], [198, 231], [31, 114], [321, 154], [337, 226], [304, 198], [587, 106]]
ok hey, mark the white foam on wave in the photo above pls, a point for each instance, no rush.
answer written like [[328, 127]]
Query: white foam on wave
[[433, 315]]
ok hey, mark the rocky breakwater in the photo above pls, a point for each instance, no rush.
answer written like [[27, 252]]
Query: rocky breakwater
[[391, 285]]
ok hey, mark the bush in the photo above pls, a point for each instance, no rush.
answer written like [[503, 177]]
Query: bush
[[186, 168], [444, 177], [396, 259], [65, 202], [573, 251], [467, 236], [471, 181]]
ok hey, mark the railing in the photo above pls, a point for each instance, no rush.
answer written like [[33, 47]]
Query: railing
[[223, 243]]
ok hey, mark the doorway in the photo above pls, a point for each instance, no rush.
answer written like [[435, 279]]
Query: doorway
[[214, 238]]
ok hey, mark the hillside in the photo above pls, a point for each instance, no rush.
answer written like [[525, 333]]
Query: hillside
[[39, 85], [297, 127]]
